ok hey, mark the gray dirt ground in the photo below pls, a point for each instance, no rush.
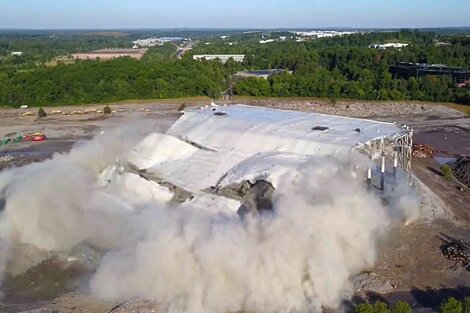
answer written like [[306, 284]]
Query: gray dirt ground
[[410, 265]]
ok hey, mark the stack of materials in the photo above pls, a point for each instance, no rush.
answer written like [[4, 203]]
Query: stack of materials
[[458, 251], [422, 151], [6, 158]]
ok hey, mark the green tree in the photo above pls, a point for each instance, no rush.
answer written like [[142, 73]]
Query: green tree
[[451, 305], [401, 307], [447, 172], [161, 89], [381, 307], [253, 87], [365, 308], [121, 88], [466, 305]]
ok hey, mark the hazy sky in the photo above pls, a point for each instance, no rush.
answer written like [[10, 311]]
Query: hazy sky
[[232, 14]]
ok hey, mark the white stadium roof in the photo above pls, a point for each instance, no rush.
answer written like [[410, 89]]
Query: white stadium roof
[[215, 142], [251, 129]]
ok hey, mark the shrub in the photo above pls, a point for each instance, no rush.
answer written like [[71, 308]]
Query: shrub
[[466, 305], [447, 172], [451, 305], [381, 307], [107, 110], [401, 307], [365, 308], [41, 113]]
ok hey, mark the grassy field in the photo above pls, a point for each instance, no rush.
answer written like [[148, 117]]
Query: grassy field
[[460, 107]]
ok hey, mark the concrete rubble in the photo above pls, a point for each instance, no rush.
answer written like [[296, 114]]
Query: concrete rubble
[[422, 151], [457, 251], [370, 282]]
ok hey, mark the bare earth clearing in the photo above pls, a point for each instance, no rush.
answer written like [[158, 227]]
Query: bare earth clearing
[[410, 264]]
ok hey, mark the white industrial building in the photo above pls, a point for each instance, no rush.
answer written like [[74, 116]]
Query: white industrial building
[[393, 45], [221, 57], [266, 41], [260, 73], [152, 42], [323, 33]]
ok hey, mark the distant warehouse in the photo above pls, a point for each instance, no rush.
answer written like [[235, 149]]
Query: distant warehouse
[[221, 57], [394, 45], [261, 73], [460, 76], [107, 54]]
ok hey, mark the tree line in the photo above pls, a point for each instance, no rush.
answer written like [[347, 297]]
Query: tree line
[[451, 305], [105, 81], [340, 67]]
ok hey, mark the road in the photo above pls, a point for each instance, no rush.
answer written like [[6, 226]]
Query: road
[[185, 47]]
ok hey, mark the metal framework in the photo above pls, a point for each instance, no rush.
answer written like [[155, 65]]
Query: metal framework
[[404, 150], [398, 147]]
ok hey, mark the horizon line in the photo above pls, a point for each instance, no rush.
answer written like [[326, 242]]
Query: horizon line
[[232, 28]]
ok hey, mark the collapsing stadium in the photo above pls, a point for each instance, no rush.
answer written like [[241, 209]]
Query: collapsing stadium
[[175, 218], [239, 152], [223, 136]]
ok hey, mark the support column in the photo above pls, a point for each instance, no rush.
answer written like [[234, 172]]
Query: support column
[[382, 174], [395, 166]]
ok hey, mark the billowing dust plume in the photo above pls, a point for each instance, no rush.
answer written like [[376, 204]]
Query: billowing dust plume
[[324, 228]]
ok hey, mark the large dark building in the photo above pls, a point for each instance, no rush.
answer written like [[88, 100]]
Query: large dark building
[[460, 76]]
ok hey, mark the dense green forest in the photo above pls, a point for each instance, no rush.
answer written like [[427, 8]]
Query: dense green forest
[[339, 67], [123, 78]]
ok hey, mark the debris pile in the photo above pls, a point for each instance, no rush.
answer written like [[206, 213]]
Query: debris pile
[[461, 169], [369, 282], [457, 251], [29, 113], [347, 108], [422, 151], [6, 158]]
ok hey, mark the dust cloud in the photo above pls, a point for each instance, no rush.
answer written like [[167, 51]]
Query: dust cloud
[[324, 228]]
